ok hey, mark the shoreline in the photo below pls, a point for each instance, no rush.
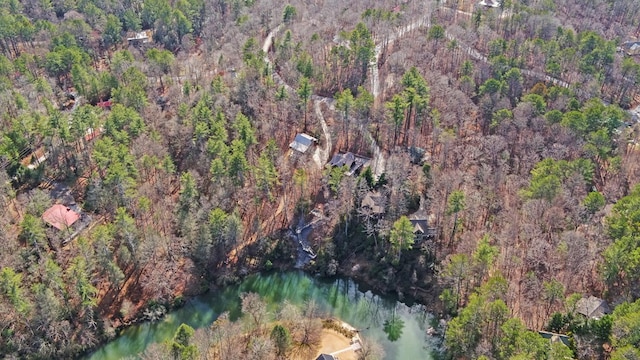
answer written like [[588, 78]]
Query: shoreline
[[142, 321]]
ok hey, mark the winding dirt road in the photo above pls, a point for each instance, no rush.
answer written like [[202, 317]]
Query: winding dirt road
[[321, 156]]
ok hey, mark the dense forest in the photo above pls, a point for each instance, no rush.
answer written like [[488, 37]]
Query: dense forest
[[162, 130]]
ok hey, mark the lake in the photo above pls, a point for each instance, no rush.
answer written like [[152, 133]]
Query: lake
[[340, 298]]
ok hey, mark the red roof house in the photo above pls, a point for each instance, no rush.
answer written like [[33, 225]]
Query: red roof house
[[105, 104], [60, 216]]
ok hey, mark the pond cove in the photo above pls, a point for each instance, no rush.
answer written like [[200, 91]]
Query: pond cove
[[379, 318]]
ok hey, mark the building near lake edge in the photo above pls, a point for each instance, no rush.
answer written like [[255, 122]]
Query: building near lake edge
[[325, 357]]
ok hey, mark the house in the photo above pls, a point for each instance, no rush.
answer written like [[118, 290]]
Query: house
[[36, 158], [490, 3], [92, 133], [631, 47], [141, 37], [352, 161], [325, 357], [553, 337], [105, 105], [302, 142], [592, 307], [421, 229], [374, 202], [417, 155], [60, 216]]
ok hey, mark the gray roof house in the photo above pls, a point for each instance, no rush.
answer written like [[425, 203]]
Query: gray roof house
[[592, 307], [631, 47], [421, 228], [374, 201], [352, 161], [302, 142], [325, 357]]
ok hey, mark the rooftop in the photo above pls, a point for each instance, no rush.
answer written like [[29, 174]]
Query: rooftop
[[302, 142], [631, 47], [352, 161], [374, 201], [325, 357], [420, 226], [60, 216], [553, 337], [490, 3], [592, 307], [142, 36]]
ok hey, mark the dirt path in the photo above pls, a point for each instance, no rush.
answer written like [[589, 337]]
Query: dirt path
[[425, 22], [320, 156]]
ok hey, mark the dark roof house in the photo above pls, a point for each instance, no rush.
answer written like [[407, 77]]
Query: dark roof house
[[325, 357], [60, 216], [352, 161], [302, 142], [421, 228], [592, 307]]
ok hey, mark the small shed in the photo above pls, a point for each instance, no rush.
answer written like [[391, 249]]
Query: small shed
[[60, 216], [592, 307], [302, 142]]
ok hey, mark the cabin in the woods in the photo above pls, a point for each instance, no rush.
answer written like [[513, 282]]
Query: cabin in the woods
[[142, 37], [325, 357], [373, 203], [421, 229], [490, 3], [553, 337], [631, 48], [352, 161], [60, 217], [302, 142], [106, 105], [592, 307]]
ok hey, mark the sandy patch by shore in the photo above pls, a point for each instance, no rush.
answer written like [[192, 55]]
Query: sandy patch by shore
[[333, 342]]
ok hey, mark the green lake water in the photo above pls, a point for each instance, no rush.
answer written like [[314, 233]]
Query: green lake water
[[341, 298]]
